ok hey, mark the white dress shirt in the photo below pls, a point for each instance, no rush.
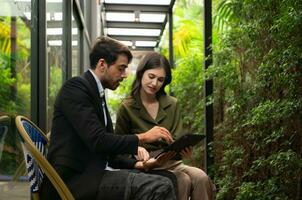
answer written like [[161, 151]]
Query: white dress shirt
[[102, 94]]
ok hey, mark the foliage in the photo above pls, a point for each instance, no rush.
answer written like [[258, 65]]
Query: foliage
[[119, 94], [5, 81], [14, 70], [54, 85], [5, 41], [257, 74], [15, 84]]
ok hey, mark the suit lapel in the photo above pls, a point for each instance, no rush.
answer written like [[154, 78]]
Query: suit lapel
[[93, 89]]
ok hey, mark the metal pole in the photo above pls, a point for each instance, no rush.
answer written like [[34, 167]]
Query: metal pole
[[38, 64], [209, 117], [171, 53], [67, 39]]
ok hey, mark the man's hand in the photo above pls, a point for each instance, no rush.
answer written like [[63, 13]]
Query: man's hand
[[142, 154], [186, 153], [154, 162], [154, 134]]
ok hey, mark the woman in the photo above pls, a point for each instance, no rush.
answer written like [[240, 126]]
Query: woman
[[149, 106]]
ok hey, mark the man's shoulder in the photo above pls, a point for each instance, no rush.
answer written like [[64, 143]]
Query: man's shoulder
[[75, 86], [76, 81]]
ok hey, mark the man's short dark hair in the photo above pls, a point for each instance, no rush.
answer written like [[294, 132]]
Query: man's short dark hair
[[109, 49]]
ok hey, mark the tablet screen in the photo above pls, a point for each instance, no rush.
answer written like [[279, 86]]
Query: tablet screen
[[183, 142]]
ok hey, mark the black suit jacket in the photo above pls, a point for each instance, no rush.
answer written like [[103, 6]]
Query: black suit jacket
[[80, 144]]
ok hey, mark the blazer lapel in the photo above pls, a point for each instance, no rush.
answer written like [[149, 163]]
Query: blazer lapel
[[142, 110], [161, 110], [162, 114], [143, 113]]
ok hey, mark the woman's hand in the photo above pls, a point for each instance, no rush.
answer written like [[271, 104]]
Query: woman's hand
[[186, 153], [155, 162], [142, 154], [154, 134]]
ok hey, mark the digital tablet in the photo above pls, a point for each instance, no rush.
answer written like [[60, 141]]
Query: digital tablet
[[187, 140]]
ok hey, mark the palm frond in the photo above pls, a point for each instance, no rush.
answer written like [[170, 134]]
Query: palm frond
[[224, 14]]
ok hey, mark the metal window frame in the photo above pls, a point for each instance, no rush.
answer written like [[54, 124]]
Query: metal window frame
[[208, 60], [38, 63], [67, 39], [39, 69]]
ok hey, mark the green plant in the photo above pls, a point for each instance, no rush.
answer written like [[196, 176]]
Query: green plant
[[258, 74], [14, 82], [119, 94]]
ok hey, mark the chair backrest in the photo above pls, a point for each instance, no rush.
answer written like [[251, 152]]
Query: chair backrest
[[34, 143], [4, 124]]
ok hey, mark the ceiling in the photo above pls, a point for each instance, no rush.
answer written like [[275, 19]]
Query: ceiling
[[140, 24], [137, 23]]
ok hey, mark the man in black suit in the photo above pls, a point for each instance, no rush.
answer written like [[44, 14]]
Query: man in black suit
[[82, 143]]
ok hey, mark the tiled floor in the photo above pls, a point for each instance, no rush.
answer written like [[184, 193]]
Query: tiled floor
[[14, 191]]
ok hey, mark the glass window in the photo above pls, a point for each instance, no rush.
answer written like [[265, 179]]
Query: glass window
[[15, 57], [54, 54], [15, 84]]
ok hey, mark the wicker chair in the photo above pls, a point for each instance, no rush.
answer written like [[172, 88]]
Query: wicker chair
[[34, 143]]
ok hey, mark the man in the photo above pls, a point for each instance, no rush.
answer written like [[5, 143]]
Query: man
[[82, 142]]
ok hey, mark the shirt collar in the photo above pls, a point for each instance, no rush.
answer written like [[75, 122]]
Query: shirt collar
[[99, 84]]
